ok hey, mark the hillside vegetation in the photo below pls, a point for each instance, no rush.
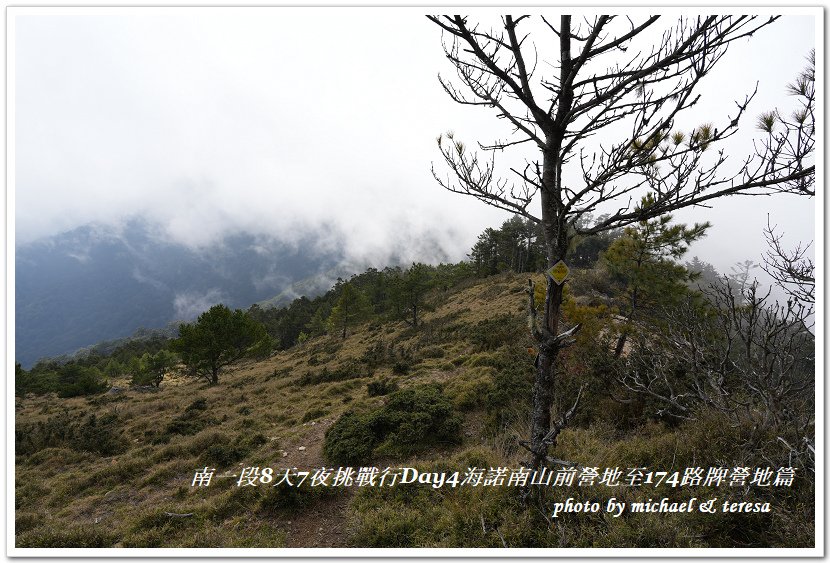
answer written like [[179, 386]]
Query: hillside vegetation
[[446, 392]]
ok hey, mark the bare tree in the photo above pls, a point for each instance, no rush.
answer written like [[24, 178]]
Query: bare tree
[[620, 78], [740, 278], [746, 357], [745, 349]]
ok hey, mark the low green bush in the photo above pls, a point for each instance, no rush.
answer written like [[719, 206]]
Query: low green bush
[[224, 451], [350, 440], [293, 499], [432, 352], [469, 389], [415, 515], [100, 434], [71, 379], [25, 521], [223, 455], [190, 422], [75, 380], [411, 420], [313, 414], [349, 370], [197, 405], [381, 387], [512, 387], [490, 334]]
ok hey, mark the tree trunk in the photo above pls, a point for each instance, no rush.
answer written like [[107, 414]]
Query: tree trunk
[[544, 384], [556, 243], [618, 350]]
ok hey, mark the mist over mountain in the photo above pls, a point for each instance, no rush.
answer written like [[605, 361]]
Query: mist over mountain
[[100, 282], [103, 282]]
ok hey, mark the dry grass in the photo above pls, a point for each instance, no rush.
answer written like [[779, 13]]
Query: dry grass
[[65, 497]]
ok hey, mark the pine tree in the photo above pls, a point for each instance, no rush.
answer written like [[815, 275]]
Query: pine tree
[[409, 290], [351, 308], [317, 326], [218, 338], [644, 259], [153, 367]]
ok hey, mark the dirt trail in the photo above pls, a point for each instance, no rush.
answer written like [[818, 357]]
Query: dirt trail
[[325, 523]]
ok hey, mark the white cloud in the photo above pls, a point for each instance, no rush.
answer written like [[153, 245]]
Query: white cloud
[[279, 122], [190, 304]]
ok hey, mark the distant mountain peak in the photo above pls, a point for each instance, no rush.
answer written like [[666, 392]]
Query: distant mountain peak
[[102, 282]]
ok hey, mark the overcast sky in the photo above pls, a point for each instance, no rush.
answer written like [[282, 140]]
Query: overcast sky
[[280, 120]]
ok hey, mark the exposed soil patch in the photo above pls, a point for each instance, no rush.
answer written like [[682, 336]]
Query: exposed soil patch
[[324, 525]]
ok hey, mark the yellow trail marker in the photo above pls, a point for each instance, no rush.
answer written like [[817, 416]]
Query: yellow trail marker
[[559, 272]]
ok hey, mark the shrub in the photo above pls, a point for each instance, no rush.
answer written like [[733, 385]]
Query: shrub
[[223, 455], [102, 435], [35, 381], [225, 451], [98, 434], [432, 352], [490, 334], [24, 521], [349, 370], [417, 416], [297, 498], [312, 414], [197, 405], [237, 500], [75, 380], [470, 390], [418, 516], [188, 423], [350, 440], [412, 419], [381, 387], [68, 380], [439, 330], [377, 354], [511, 386], [381, 353]]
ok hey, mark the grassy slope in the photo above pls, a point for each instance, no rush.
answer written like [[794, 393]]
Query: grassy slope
[[260, 414]]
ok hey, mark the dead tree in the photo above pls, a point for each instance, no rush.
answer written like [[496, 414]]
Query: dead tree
[[740, 354], [611, 75]]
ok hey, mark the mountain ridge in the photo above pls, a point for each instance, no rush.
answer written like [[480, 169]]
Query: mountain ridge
[[98, 283]]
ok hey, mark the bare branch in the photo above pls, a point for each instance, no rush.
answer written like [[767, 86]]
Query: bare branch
[[792, 269]]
